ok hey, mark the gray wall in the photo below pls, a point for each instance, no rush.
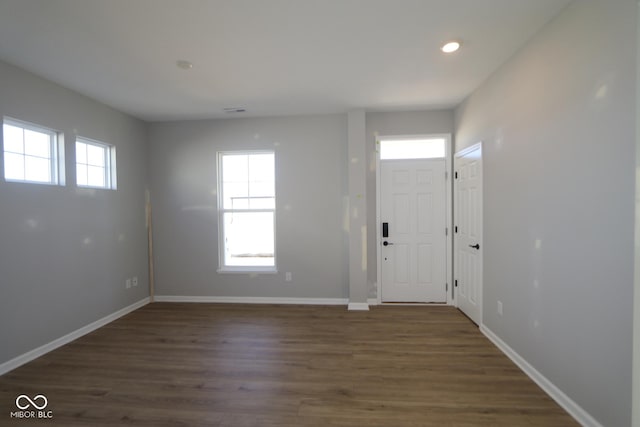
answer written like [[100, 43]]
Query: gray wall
[[636, 311], [357, 209], [311, 187], [389, 124], [558, 126], [65, 252]]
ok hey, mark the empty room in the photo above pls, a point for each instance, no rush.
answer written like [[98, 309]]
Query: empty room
[[319, 213]]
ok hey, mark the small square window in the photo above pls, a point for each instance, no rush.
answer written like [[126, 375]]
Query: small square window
[[95, 164], [30, 153]]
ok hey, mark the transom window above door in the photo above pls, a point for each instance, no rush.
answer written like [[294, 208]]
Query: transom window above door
[[412, 148]]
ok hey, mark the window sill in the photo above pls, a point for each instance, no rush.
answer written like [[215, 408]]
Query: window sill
[[24, 181], [247, 270], [90, 187]]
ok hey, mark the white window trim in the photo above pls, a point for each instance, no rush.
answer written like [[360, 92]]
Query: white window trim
[[56, 142], [110, 163], [222, 268]]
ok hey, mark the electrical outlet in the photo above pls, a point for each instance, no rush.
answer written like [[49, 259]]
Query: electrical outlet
[[127, 283], [134, 281], [500, 308], [287, 276]]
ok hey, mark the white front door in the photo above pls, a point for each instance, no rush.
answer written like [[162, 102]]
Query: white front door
[[413, 253], [468, 231]]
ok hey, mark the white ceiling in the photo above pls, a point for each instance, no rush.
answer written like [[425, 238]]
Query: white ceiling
[[272, 57]]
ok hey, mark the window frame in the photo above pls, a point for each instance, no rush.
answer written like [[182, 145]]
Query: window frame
[[222, 267], [109, 163], [56, 150]]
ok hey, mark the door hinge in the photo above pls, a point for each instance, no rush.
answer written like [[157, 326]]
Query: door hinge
[[446, 287], [456, 283], [456, 174], [446, 175], [455, 229], [446, 231]]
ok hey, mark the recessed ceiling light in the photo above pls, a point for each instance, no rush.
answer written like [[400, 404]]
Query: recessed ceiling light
[[183, 64], [451, 46]]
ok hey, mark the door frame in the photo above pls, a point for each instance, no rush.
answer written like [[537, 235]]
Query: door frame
[[458, 154], [448, 161]]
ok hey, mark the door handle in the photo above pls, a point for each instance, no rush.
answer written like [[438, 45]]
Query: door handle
[[476, 246], [385, 243]]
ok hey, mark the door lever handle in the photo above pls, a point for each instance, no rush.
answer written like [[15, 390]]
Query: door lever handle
[[385, 243], [476, 246]]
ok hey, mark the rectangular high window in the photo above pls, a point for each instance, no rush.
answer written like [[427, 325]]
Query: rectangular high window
[[247, 210], [412, 148], [30, 153], [95, 164]]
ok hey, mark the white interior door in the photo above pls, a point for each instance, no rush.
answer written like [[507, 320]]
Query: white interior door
[[468, 231], [413, 205]]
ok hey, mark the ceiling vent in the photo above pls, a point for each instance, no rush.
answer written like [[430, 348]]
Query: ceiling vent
[[233, 110]]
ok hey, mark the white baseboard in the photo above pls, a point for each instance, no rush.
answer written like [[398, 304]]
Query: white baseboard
[[554, 392], [358, 306], [251, 300], [37, 352]]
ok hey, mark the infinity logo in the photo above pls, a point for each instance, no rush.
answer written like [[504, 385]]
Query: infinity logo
[[30, 402]]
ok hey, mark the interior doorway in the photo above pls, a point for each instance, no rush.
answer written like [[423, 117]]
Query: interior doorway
[[468, 244]]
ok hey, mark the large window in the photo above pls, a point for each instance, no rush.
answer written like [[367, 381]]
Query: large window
[[95, 163], [247, 204], [30, 153]]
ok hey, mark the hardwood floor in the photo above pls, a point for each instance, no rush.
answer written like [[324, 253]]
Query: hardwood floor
[[170, 364]]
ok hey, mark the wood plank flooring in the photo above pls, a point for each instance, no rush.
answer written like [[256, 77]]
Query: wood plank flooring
[[170, 364]]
